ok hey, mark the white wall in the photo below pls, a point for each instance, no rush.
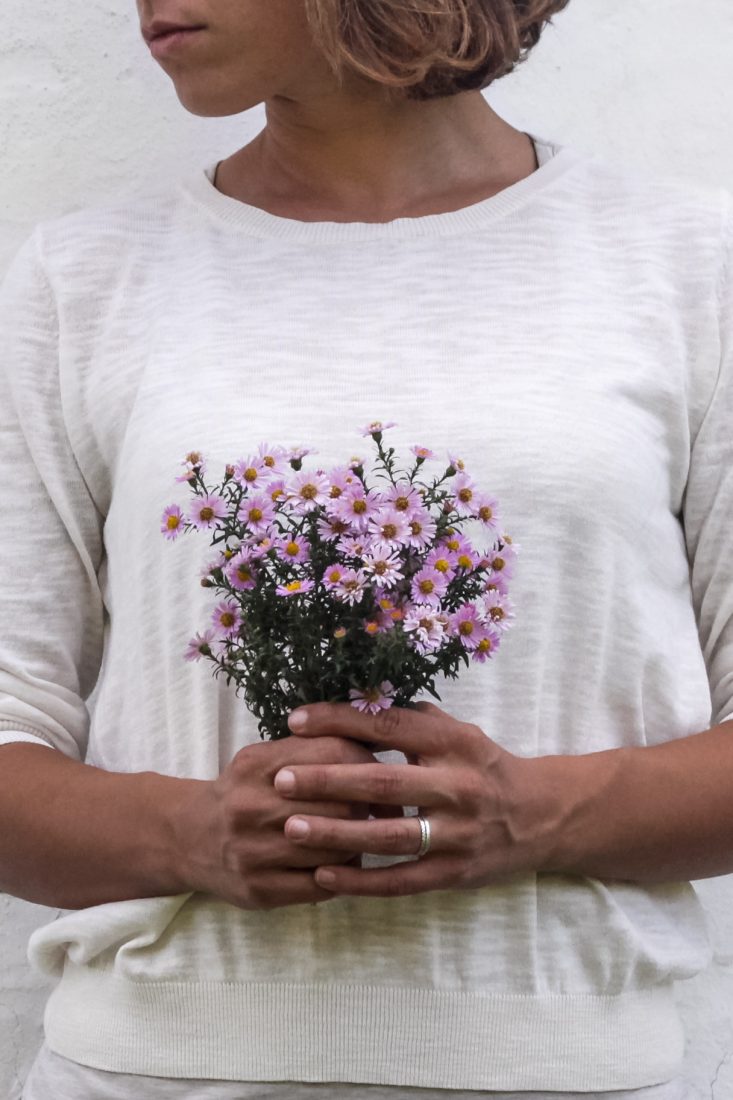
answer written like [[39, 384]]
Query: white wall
[[85, 113]]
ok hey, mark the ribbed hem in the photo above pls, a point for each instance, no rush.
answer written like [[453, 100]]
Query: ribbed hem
[[199, 189], [365, 1034]]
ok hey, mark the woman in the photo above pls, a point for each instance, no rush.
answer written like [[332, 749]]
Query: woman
[[386, 247]]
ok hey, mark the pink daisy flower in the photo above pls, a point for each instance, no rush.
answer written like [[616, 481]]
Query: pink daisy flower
[[464, 491], [444, 560], [307, 490], [497, 609], [486, 513], [339, 480], [422, 452], [199, 644], [383, 566], [390, 526], [257, 512], [171, 524], [376, 427], [497, 583], [251, 473], [372, 700], [261, 547], [353, 546], [355, 506], [502, 561], [293, 548], [227, 618], [204, 511], [429, 586], [426, 627], [333, 575], [465, 624], [277, 491], [275, 459], [350, 589], [422, 530], [332, 527], [194, 463], [405, 498], [294, 588], [240, 572], [297, 454], [457, 462], [487, 645]]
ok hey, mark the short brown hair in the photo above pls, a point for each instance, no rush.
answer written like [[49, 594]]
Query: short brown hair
[[429, 48]]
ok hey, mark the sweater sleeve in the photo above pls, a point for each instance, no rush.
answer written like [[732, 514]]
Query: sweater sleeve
[[51, 546], [707, 509]]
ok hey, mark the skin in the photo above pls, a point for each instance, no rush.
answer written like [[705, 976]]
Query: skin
[[331, 153], [348, 153]]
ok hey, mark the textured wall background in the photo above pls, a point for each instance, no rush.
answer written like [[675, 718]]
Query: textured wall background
[[85, 113]]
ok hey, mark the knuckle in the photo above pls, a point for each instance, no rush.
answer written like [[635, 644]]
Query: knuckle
[[388, 722], [397, 839], [387, 784]]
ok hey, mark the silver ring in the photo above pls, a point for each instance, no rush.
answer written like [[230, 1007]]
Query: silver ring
[[424, 836]]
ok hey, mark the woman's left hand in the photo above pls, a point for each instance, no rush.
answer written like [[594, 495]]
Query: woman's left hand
[[491, 813]]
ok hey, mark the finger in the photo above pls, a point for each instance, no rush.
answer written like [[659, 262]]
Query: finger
[[409, 730], [432, 872], [398, 838], [278, 888], [390, 784]]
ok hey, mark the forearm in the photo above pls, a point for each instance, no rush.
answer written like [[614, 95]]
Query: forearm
[[72, 835], [660, 813]]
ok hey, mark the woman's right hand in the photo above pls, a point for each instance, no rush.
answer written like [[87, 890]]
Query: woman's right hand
[[230, 830]]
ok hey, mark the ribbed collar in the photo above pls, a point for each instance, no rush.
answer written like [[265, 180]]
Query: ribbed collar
[[554, 161]]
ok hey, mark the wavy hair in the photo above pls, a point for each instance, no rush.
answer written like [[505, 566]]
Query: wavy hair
[[428, 48]]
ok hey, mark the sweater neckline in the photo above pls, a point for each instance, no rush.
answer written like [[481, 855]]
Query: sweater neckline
[[554, 160]]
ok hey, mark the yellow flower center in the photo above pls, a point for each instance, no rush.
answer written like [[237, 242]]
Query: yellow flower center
[[359, 506], [250, 474], [485, 512], [227, 618], [484, 645], [464, 561], [255, 515], [426, 585], [389, 530], [466, 627], [498, 563], [309, 492], [442, 565], [294, 586], [207, 513], [336, 491], [465, 494], [292, 548], [402, 504], [380, 567], [244, 573], [371, 627], [172, 522]]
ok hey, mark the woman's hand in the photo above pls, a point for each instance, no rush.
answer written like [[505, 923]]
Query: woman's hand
[[230, 836], [491, 813]]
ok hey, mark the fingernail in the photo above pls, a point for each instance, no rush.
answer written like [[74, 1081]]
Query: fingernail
[[298, 827], [325, 878], [298, 719], [285, 781]]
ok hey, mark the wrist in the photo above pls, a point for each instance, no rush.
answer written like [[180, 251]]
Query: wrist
[[179, 817]]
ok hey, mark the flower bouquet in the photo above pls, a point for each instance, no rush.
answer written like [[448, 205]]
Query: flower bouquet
[[335, 587]]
